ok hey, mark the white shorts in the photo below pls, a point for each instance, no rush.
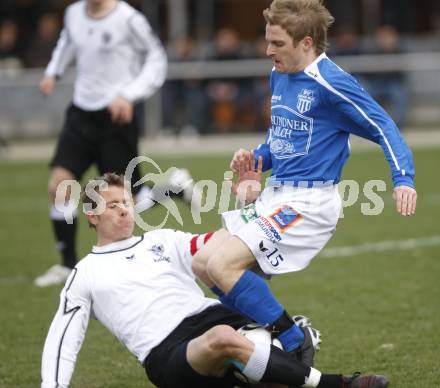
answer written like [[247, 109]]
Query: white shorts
[[287, 226]]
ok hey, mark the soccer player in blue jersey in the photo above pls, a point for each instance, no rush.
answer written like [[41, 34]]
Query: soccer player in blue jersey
[[315, 107]]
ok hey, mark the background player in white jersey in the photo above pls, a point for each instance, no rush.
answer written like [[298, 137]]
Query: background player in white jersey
[[143, 290], [315, 107], [119, 61]]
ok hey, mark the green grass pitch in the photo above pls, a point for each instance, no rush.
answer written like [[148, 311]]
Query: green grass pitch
[[378, 311]]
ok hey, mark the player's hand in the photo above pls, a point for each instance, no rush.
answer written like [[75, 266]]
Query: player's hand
[[406, 200], [121, 110], [238, 156], [247, 186], [47, 85]]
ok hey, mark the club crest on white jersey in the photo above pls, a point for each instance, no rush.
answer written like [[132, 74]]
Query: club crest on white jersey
[[158, 252]]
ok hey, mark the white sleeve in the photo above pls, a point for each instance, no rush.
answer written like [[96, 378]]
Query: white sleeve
[[154, 69], [182, 243], [188, 245], [63, 53], [66, 332]]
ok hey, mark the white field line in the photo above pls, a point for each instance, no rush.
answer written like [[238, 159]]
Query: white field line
[[380, 246]]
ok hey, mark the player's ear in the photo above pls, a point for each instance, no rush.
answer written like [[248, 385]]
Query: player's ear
[[92, 218], [307, 43]]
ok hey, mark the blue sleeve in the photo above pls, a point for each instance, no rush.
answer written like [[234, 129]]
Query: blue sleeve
[[370, 121], [264, 151]]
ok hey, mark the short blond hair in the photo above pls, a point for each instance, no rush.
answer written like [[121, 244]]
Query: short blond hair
[[301, 18]]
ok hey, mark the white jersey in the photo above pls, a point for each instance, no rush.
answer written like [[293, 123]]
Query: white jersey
[[140, 289], [117, 55]]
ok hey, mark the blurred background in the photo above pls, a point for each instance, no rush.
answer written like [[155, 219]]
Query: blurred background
[[218, 74]]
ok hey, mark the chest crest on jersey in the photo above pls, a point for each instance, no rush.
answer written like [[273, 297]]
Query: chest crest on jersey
[[158, 251], [305, 100], [106, 38]]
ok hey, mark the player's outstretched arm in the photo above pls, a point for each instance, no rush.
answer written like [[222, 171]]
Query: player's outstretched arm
[[406, 200], [66, 333]]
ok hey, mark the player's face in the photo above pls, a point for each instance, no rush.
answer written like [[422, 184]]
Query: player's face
[[286, 57], [116, 222]]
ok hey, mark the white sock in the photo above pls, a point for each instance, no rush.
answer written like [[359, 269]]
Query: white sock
[[257, 364], [313, 380]]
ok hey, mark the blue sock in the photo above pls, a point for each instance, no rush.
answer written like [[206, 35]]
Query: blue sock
[[218, 292], [240, 366], [222, 297], [291, 338], [252, 297]]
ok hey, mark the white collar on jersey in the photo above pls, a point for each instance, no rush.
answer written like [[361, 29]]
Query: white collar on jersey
[[118, 245], [314, 65]]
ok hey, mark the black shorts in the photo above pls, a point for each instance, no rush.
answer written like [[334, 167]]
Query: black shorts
[[166, 365], [92, 138]]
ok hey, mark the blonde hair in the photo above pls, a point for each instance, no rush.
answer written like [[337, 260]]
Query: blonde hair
[[301, 18]]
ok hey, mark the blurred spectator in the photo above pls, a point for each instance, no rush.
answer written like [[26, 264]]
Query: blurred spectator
[[227, 44], [261, 90], [227, 97], [389, 87], [43, 42], [26, 12], [184, 101], [10, 61], [347, 42]]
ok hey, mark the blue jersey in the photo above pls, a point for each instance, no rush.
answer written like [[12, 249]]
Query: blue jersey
[[313, 113]]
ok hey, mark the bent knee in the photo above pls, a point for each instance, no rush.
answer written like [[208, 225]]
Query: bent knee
[[52, 188], [217, 267], [58, 175], [198, 265], [223, 339], [226, 263]]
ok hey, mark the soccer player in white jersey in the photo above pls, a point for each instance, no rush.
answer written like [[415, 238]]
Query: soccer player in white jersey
[[119, 62], [142, 289], [315, 107]]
